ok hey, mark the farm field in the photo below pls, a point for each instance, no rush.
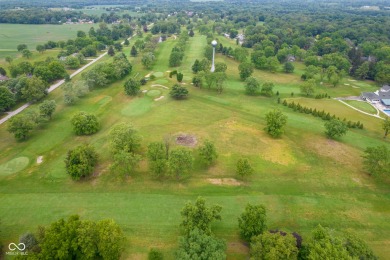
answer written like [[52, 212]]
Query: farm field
[[11, 35], [303, 178]]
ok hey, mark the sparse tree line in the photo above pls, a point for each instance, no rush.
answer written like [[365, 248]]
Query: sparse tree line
[[177, 53], [321, 114]]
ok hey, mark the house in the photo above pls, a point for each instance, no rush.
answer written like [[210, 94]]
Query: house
[[3, 78], [291, 58], [382, 95]]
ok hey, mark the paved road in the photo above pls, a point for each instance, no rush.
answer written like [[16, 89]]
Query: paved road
[[52, 88]]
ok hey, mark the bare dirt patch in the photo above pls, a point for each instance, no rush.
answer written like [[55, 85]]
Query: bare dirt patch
[[159, 98], [224, 181], [186, 140]]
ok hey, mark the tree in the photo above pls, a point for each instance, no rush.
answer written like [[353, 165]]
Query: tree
[[191, 33], [118, 46], [9, 59], [199, 216], [80, 162], [276, 122], [196, 67], [357, 248], [244, 168], [180, 162], [267, 89], [40, 48], [246, 70], [175, 58], [252, 221], [272, 64], [72, 62], [179, 76], [377, 160], [325, 246], [178, 92], [132, 87], [30, 242], [220, 67], [307, 88], [208, 152], [251, 86], [125, 163], [288, 67], [47, 108], [198, 245], [20, 126], [75, 238], [197, 80], [158, 161], [155, 254], [133, 52], [84, 123], [147, 60], [34, 90], [21, 47], [26, 54], [7, 99], [385, 125], [111, 51], [220, 78], [335, 128], [126, 42], [124, 137], [278, 245]]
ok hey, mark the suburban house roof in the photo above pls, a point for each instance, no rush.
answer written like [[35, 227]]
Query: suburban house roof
[[3, 77], [386, 102], [381, 94]]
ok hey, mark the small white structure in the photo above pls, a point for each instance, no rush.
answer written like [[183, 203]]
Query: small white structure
[[214, 44]]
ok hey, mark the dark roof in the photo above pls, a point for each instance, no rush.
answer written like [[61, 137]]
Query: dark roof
[[385, 88], [370, 95], [3, 77]]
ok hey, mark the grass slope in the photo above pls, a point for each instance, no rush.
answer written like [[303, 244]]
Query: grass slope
[[303, 178]]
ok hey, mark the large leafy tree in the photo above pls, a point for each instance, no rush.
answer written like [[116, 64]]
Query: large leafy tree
[[377, 160], [124, 137], [178, 92], [80, 162], [267, 89], [34, 90], [208, 152], [276, 122], [85, 123], [357, 248], [244, 168], [7, 99], [324, 245], [200, 246], [251, 86], [47, 108], [180, 162], [132, 87], [335, 128], [20, 126], [246, 70], [273, 246], [199, 216], [158, 161], [125, 163], [252, 221]]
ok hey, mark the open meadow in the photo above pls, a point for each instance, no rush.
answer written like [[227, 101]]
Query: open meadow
[[303, 178], [11, 35]]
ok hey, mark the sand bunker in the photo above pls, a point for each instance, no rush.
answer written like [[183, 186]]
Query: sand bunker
[[224, 181], [159, 98], [39, 159]]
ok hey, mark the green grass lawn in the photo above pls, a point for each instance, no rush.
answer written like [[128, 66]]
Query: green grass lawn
[[11, 35], [363, 106], [303, 179]]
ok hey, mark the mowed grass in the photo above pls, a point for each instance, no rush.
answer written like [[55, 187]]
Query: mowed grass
[[363, 106], [11, 35], [303, 179]]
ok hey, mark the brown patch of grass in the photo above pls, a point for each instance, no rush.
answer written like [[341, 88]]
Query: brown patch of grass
[[224, 181]]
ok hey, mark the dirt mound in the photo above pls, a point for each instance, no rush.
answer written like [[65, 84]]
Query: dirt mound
[[186, 140], [225, 181]]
